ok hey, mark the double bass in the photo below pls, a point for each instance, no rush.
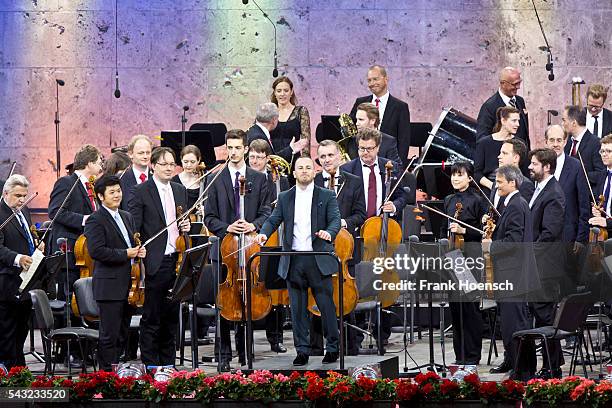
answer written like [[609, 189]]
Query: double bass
[[136, 294], [236, 249], [343, 247], [381, 237]]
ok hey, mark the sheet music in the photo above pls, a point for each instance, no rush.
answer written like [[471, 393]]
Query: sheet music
[[26, 276]]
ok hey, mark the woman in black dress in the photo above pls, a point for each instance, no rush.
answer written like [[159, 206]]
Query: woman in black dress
[[293, 127], [487, 148], [190, 160]]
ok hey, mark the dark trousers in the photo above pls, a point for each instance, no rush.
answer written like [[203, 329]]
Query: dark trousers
[[544, 314], [274, 324], [467, 331], [14, 326], [223, 344], [158, 325], [316, 336], [514, 316], [304, 274], [113, 327]]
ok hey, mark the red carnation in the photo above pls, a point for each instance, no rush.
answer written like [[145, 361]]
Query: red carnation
[[488, 389]]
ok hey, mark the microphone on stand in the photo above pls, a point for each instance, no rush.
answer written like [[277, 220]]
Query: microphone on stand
[[275, 70], [60, 82], [117, 91]]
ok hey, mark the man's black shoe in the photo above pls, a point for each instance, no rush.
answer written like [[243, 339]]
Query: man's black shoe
[[502, 368], [224, 367], [278, 348], [301, 359], [330, 357]]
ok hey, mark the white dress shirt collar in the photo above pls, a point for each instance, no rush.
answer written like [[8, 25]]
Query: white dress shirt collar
[[509, 196], [137, 174], [505, 97], [560, 163]]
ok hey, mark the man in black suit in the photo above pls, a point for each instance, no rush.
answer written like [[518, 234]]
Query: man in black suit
[[367, 118], [222, 216], [139, 151], [313, 230], [512, 153], [603, 187], [582, 144], [266, 120], [16, 248], [598, 118], [153, 206], [509, 83], [109, 232], [547, 209], [513, 261], [394, 113]]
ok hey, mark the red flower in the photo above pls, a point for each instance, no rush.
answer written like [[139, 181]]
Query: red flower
[[294, 376], [448, 387], [366, 383], [406, 390], [427, 388], [430, 375], [472, 379], [488, 389]]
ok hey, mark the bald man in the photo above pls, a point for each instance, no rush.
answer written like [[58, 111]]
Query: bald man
[[509, 83]]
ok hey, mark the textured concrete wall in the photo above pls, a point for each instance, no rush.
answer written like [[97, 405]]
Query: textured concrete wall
[[216, 56]]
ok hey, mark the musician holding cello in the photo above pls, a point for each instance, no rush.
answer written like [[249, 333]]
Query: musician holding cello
[[16, 247], [222, 217], [153, 205], [110, 240]]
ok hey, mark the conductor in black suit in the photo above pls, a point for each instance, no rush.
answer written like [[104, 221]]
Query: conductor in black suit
[[394, 113], [312, 220], [70, 220], [509, 83], [582, 143], [222, 216], [153, 206], [266, 120], [139, 151], [110, 242], [16, 248], [547, 213], [513, 261], [598, 118]]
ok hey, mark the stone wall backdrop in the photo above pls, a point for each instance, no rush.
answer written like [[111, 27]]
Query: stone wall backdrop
[[217, 56]]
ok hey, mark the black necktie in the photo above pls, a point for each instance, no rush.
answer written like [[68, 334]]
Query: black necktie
[[596, 127], [513, 103]]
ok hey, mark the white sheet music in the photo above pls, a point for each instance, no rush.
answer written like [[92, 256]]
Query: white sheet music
[[26, 276]]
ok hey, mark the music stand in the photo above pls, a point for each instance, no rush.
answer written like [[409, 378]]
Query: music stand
[[200, 138], [217, 130], [185, 286], [329, 128]]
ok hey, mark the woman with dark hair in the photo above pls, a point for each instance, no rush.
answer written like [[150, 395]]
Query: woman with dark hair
[[293, 119], [487, 148], [116, 164], [191, 158], [465, 311]]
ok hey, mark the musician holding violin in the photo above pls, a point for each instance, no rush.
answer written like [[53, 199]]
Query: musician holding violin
[[153, 205], [468, 206], [601, 209], [222, 218], [110, 241], [191, 176], [16, 247], [311, 222]]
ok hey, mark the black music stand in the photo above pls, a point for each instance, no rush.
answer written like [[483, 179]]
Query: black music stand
[[200, 138], [185, 286], [217, 130], [329, 128]]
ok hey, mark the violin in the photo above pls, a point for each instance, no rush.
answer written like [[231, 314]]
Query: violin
[[343, 247], [456, 240], [597, 235], [236, 249], [137, 275], [381, 237], [488, 230], [183, 242]]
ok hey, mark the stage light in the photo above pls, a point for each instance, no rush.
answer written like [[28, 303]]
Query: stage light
[[163, 373], [124, 370], [372, 371]]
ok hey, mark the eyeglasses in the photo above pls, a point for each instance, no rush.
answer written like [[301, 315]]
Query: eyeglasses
[[366, 149], [605, 151], [256, 157], [594, 107], [514, 84], [166, 164]]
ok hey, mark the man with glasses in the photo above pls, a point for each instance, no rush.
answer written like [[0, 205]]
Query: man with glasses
[[598, 118], [582, 144], [509, 83], [603, 187], [153, 205]]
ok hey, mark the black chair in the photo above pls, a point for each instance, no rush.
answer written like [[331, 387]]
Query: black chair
[[44, 321], [569, 319], [88, 307]]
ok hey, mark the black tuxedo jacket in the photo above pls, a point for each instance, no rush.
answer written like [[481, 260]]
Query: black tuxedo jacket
[[547, 213], [146, 207], [607, 122], [219, 208], [577, 203], [255, 132], [107, 247], [395, 122], [324, 215], [487, 119], [69, 223], [512, 249], [400, 198], [387, 150], [351, 200], [589, 151], [128, 182], [13, 242]]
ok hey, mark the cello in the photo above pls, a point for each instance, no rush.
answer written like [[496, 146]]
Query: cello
[[381, 237], [343, 247], [137, 275], [232, 295]]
